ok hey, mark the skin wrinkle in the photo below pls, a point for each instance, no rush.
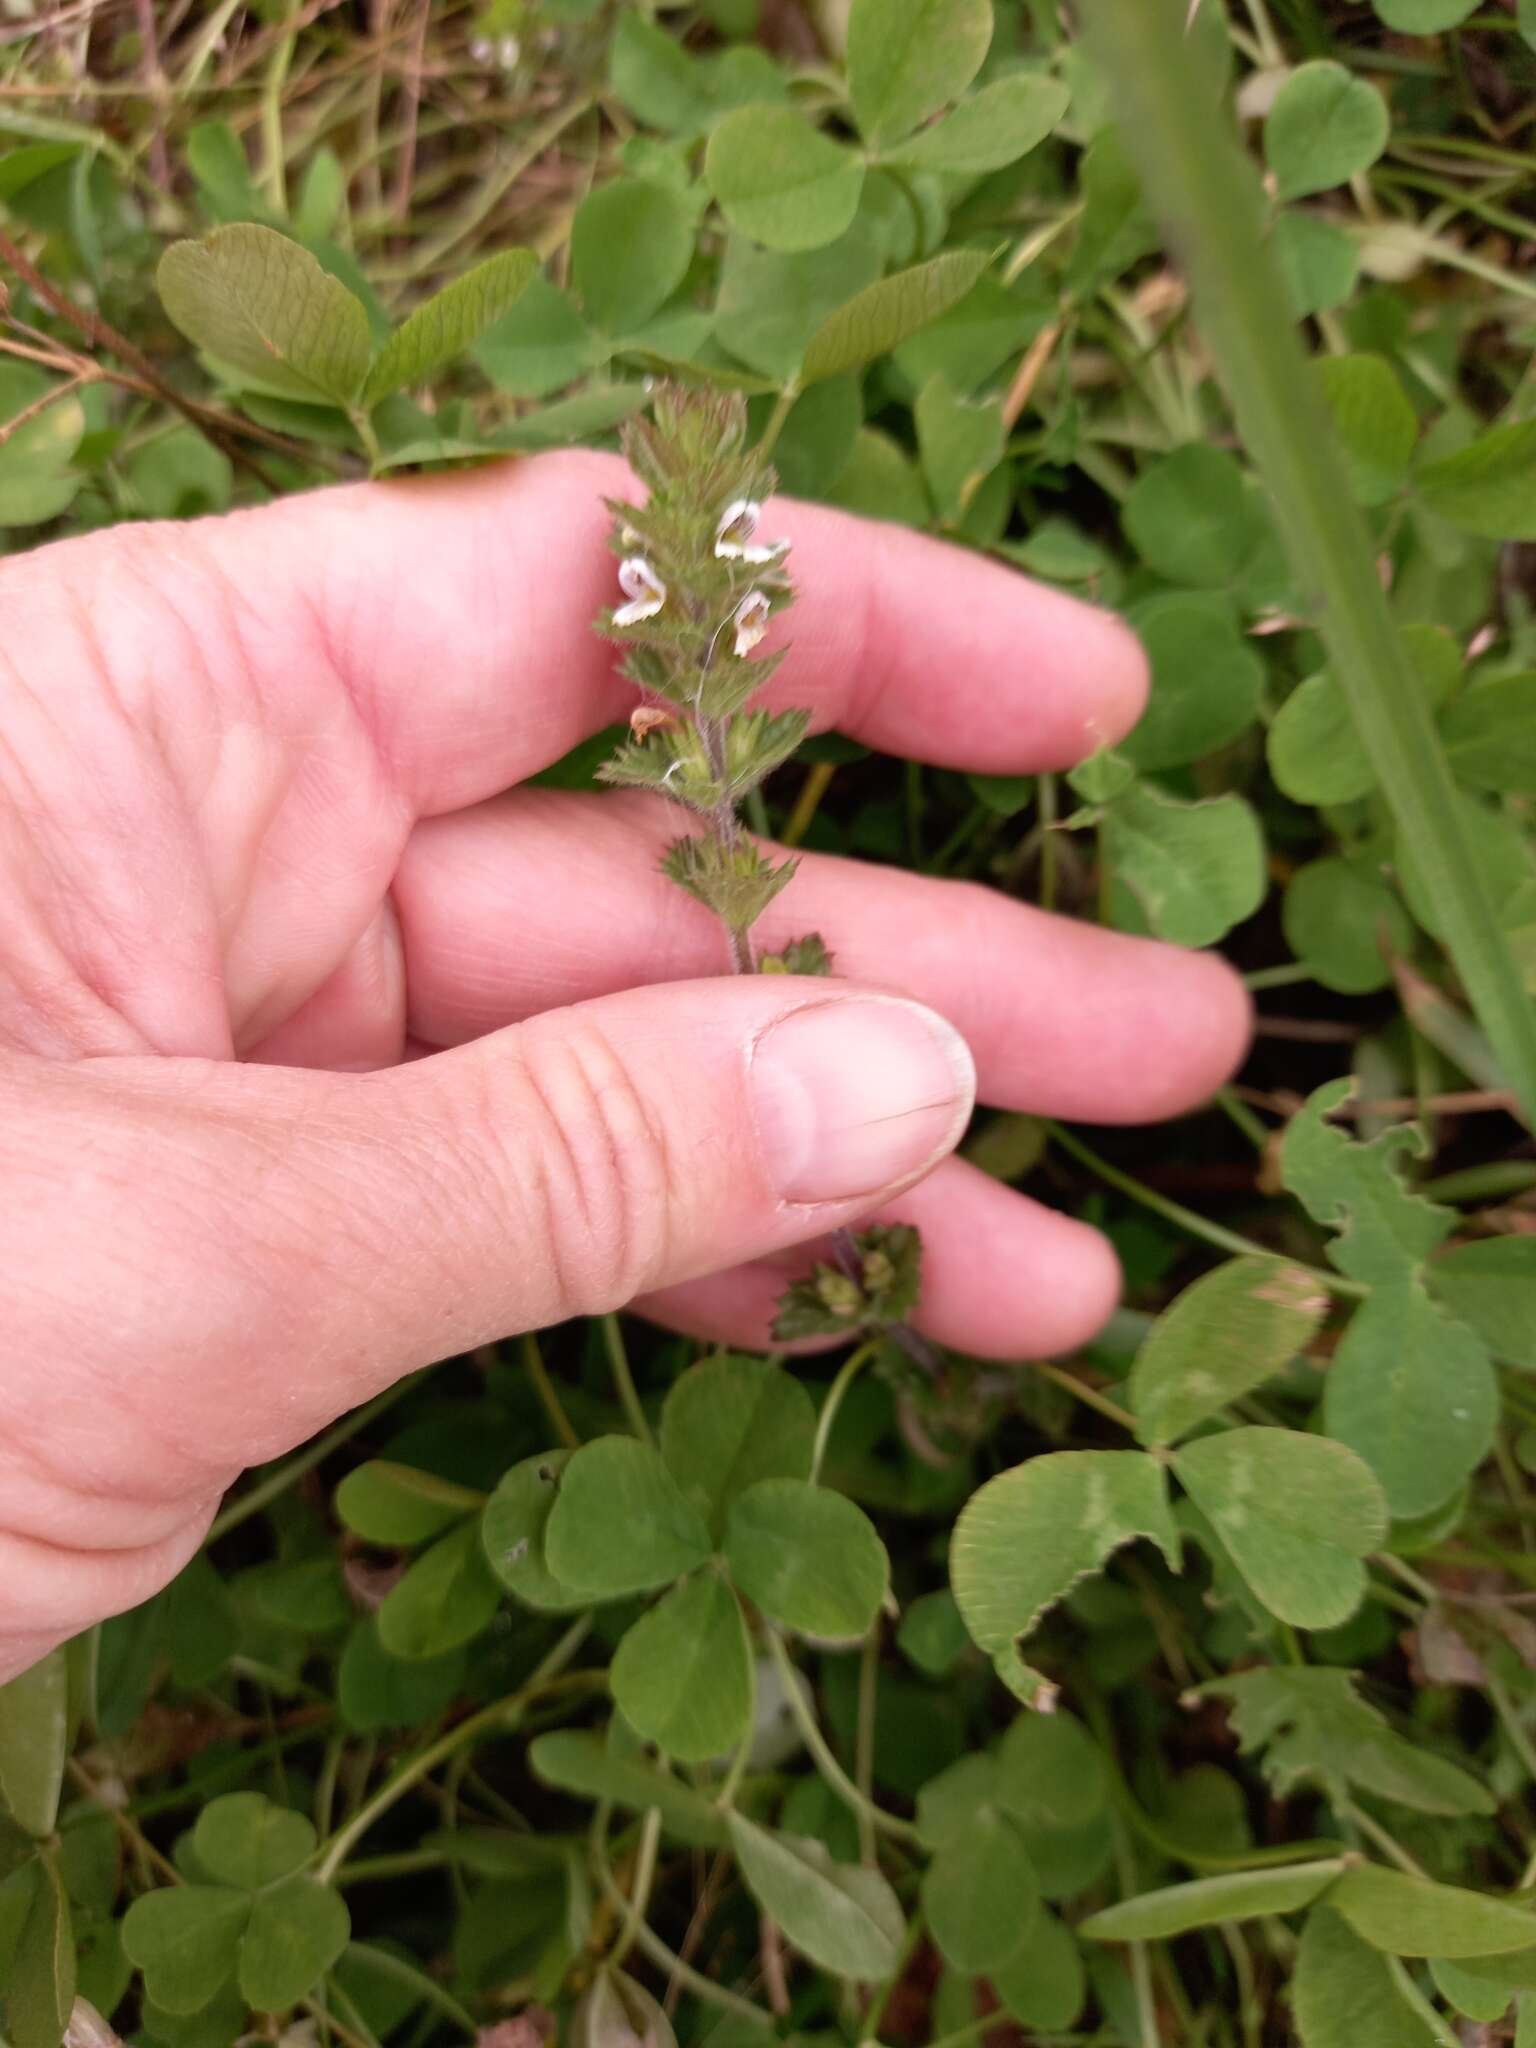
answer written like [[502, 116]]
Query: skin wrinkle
[[219, 1257]]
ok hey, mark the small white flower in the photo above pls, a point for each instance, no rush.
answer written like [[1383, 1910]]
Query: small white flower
[[644, 589], [751, 617], [733, 536]]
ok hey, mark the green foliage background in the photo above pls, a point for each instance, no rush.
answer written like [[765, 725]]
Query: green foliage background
[[595, 1678]]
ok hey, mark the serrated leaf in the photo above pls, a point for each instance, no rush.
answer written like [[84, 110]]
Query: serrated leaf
[[1343, 1992], [34, 1742], [1324, 127], [840, 1915], [582, 1764], [245, 1839], [1208, 1901], [375, 1691], [1375, 423], [1225, 1335], [1189, 516], [682, 1676], [1297, 1514], [631, 242], [1353, 1189], [621, 1523], [1414, 1394], [258, 302], [297, 1929], [1197, 869], [1423, 17], [40, 1983], [446, 1598], [884, 314], [1489, 487], [1342, 919], [1490, 1285], [980, 1894], [1411, 1916], [1029, 1535], [185, 1940], [1317, 1730], [960, 442], [780, 180], [1044, 1986], [809, 1558], [449, 322], [908, 58], [997, 126], [1490, 735], [731, 1421], [652, 75], [1206, 679], [1318, 261], [513, 1530], [394, 1504]]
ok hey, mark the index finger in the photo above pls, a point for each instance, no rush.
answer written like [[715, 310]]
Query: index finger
[[456, 613]]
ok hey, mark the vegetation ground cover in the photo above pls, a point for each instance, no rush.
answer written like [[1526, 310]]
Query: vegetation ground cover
[[1177, 1692]]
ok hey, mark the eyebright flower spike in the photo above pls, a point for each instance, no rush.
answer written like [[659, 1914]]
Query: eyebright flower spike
[[733, 536], [644, 589], [751, 621]]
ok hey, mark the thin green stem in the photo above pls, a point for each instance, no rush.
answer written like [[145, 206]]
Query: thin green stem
[[1286, 975], [624, 1379], [544, 1387], [640, 1888], [278, 1480], [821, 1755], [1089, 1396], [500, 1717], [1374, 1832], [1187, 1219], [847, 1373], [783, 406], [1207, 190], [864, 1742], [669, 1962], [385, 1963]]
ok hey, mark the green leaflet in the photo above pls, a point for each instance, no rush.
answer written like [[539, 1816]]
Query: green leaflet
[[1315, 1728], [1029, 1535], [842, 1916], [1297, 1513], [1343, 1993], [1223, 1336], [1158, 1916]]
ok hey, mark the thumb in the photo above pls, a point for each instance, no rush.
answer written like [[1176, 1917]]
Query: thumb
[[648, 1137], [204, 1263], [299, 1240]]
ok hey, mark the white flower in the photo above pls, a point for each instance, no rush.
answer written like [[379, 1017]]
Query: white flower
[[751, 617], [733, 536], [644, 589]]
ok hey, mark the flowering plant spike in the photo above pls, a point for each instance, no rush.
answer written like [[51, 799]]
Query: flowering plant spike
[[699, 588]]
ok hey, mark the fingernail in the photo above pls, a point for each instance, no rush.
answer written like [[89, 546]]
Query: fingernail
[[855, 1095]]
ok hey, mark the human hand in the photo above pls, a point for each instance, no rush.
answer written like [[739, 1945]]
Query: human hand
[[260, 841]]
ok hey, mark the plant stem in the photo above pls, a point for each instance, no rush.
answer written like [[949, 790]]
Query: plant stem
[[278, 1481], [1187, 1219], [847, 1373], [1090, 1396], [821, 1755], [672, 1964], [502, 1716], [624, 1379], [783, 407], [387, 1964], [1171, 115], [544, 1387], [640, 1889]]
